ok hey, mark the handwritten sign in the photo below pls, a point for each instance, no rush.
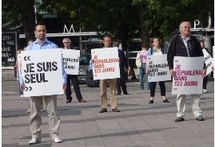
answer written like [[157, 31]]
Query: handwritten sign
[[158, 68], [208, 61], [42, 75], [105, 63], [188, 75], [71, 61], [9, 48]]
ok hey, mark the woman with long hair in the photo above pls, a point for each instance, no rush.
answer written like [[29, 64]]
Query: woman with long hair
[[156, 50]]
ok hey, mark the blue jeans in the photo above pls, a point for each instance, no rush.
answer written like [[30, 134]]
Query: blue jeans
[[142, 73], [20, 91]]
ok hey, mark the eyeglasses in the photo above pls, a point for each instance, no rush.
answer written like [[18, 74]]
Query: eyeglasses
[[66, 42]]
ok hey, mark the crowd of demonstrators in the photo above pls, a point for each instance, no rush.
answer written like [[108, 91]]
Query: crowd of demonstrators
[[142, 70], [156, 50], [73, 79], [123, 67], [185, 45], [182, 45]]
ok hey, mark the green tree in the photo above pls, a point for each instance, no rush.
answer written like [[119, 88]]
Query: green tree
[[121, 18], [19, 13], [161, 17], [107, 16]]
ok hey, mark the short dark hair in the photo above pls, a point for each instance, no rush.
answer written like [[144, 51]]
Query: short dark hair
[[201, 41], [107, 35], [144, 46], [37, 24]]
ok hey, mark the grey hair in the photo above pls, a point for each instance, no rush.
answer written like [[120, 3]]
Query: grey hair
[[116, 44], [183, 23], [66, 39]]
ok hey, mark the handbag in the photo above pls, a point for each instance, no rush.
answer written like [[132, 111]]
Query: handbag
[[138, 61]]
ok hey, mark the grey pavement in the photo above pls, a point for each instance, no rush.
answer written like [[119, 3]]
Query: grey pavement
[[139, 124]]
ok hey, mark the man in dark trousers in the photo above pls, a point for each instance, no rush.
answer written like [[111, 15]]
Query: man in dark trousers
[[123, 66], [73, 78]]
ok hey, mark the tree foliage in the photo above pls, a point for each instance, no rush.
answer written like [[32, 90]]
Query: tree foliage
[[19, 13], [122, 18], [161, 17]]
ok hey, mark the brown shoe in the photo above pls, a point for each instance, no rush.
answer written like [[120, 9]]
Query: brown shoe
[[103, 110], [115, 110], [82, 101]]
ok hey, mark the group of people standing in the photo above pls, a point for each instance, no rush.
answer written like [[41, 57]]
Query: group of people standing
[[186, 45], [182, 45]]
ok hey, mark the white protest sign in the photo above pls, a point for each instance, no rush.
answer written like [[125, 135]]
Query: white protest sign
[[71, 61], [208, 61], [158, 68], [42, 75], [105, 63], [188, 75], [213, 61]]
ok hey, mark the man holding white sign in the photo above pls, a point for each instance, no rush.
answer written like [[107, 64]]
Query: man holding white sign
[[187, 46], [72, 71], [107, 70], [31, 78]]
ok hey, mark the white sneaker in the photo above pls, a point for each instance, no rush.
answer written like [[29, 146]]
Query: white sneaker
[[22, 95], [204, 91], [56, 138], [35, 139], [28, 111]]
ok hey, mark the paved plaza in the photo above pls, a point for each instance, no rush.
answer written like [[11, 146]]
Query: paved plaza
[[139, 124]]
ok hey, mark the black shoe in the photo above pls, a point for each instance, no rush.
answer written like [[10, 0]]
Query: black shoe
[[115, 110], [82, 101], [200, 118], [103, 110], [151, 101], [68, 100], [179, 119], [126, 93], [166, 101], [118, 94]]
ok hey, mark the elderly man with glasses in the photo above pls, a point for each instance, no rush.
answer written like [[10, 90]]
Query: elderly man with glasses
[[73, 79]]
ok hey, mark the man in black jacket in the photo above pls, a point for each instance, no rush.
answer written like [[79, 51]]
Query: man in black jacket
[[188, 46], [123, 66], [73, 79]]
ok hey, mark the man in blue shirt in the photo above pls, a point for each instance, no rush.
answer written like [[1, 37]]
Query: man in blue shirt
[[36, 101]]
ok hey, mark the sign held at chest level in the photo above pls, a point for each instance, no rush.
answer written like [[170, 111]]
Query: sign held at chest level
[[40, 73]]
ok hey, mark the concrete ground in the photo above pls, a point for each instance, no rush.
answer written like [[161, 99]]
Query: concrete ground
[[139, 124]]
